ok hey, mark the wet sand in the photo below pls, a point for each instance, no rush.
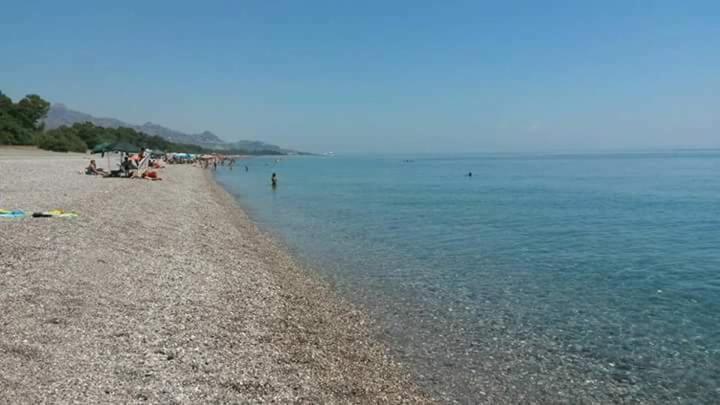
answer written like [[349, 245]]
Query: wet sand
[[165, 292]]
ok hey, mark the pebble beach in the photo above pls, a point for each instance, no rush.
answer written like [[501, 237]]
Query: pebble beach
[[165, 292]]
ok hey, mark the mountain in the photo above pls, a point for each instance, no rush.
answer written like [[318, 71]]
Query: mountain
[[172, 135], [60, 115], [257, 146]]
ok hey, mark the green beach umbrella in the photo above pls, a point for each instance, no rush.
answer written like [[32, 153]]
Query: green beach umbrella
[[101, 148], [123, 147]]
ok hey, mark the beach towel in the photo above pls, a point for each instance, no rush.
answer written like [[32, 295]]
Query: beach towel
[[11, 214], [63, 214]]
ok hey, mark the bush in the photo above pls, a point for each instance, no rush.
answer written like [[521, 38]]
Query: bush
[[20, 121], [60, 142], [12, 133]]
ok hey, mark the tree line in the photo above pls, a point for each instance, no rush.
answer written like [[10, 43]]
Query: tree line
[[21, 124]]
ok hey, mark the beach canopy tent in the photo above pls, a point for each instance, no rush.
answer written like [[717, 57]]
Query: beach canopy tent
[[122, 147], [101, 148]]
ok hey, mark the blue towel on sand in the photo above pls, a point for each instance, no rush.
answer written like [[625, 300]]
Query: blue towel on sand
[[11, 214]]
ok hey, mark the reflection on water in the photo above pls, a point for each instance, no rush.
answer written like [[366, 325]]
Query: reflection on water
[[539, 278]]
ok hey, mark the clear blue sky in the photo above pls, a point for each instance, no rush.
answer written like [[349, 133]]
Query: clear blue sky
[[381, 76]]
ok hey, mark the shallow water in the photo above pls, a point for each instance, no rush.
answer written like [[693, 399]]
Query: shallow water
[[543, 278]]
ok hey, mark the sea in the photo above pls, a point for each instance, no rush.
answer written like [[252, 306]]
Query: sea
[[541, 278]]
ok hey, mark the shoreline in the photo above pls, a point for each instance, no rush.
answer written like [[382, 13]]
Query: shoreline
[[351, 336], [166, 291]]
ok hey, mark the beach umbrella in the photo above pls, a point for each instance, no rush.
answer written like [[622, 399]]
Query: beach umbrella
[[101, 148], [120, 146], [124, 147]]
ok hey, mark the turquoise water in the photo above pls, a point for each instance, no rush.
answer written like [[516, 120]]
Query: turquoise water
[[541, 278]]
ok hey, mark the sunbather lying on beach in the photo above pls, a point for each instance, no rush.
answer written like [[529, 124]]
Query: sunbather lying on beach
[[150, 175], [92, 169]]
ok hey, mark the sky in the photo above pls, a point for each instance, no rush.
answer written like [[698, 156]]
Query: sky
[[381, 76]]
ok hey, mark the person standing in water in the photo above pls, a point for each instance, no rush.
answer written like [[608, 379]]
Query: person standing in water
[[274, 180]]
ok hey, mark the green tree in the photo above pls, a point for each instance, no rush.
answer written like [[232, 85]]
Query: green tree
[[30, 110], [63, 139], [91, 134], [5, 102], [20, 121], [12, 132]]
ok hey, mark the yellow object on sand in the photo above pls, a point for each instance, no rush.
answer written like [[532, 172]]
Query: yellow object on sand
[[63, 214]]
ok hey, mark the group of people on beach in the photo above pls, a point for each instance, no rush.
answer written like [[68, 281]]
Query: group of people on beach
[[213, 162], [139, 165]]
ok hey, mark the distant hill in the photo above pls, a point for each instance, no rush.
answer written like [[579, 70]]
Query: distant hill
[[60, 115]]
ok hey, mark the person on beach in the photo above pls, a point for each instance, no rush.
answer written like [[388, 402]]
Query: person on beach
[[247, 169], [128, 166], [274, 180], [93, 170], [215, 164]]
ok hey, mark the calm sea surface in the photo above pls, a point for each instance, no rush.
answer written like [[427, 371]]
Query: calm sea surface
[[541, 278]]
